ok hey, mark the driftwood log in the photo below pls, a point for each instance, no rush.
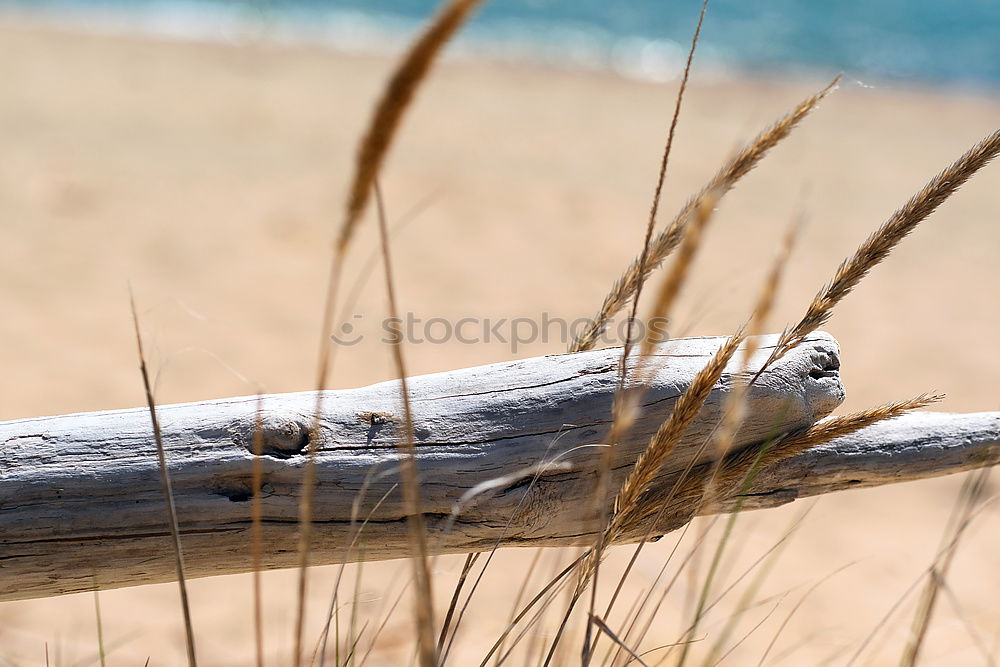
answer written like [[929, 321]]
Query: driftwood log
[[506, 453]]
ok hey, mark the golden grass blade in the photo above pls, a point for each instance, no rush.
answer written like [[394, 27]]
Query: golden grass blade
[[353, 646], [357, 287], [661, 177], [909, 590], [628, 622], [596, 620], [354, 534], [988, 655], [734, 409], [747, 598], [747, 635], [649, 594], [167, 490], [739, 467], [878, 246], [671, 286], [603, 473], [972, 492], [552, 583], [631, 508], [320, 649], [536, 473], [353, 636], [795, 608], [574, 597], [100, 627], [470, 560], [626, 403], [257, 532], [374, 146], [533, 652], [408, 469], [396, 97], [385, 620], [312, 446], [703, 606], [654, 612], [665, 242], [835, 427], [736, 405], [706, 587], [521, 591]]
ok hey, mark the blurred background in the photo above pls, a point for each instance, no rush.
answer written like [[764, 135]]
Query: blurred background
[[200, 151]]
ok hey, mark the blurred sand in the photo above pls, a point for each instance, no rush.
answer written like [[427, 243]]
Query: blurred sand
[[210, 177]]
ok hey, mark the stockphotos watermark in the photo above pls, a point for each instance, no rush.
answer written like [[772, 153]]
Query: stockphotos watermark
[[515, 332]]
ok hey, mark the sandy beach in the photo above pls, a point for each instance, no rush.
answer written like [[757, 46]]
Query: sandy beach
[[210, 178]]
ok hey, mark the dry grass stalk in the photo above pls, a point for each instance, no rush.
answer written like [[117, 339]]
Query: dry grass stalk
[[736, 468], [647, 596], [423, 598], [168, 492], [661, 177], [389, 111], [734, 409], [736, 403], [671, 286], [748, 599], [374, 146], [723, 181], [878, 246], [795, 608], [355, 543], [735, 406], [625, 406], [734, 412], [555, 584], [385, 621], [972, 493], [627, 402], [101, 653], [630, 507], [525, 580], [596, 620], [535, 645], [256, 532], [762, 565], [836, 427], [470, 560]]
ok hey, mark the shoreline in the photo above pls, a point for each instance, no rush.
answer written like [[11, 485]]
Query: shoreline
[[361, 35]]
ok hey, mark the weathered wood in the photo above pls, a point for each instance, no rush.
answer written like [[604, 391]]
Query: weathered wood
[[80, 496], [911, 447], [506, 452]]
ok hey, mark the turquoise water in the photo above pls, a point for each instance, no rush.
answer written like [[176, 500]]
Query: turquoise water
[[941, 41]]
